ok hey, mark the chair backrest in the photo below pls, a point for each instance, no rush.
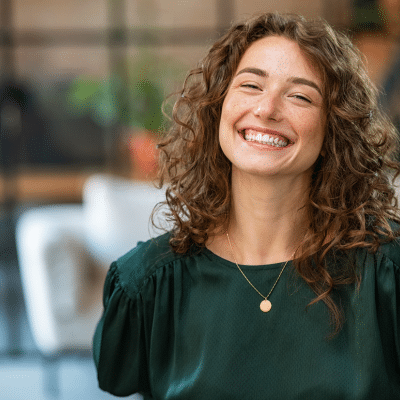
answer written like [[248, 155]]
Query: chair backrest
[[117, 215], [50, 265]]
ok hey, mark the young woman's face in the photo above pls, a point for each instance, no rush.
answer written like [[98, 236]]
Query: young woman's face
[[275, 96]]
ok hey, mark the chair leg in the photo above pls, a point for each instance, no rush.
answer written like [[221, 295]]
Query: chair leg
[[13, 309], [51, 376]]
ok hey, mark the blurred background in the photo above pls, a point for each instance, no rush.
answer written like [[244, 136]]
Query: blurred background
[[81, 86]]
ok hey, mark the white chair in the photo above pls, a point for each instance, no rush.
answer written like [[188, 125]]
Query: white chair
[[64, 252], [53, 263], [116, 215]]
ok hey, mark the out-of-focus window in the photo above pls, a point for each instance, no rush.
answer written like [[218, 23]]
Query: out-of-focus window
[[84, 65]]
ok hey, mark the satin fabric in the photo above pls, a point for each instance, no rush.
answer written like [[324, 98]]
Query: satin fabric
[[190, 327]]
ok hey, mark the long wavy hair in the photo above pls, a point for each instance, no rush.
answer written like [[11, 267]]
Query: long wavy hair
[[351, 199]]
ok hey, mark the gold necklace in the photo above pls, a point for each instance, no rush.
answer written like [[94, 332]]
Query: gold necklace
[[265, 305]]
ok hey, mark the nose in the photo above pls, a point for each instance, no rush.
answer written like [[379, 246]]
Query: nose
[[268, 107]]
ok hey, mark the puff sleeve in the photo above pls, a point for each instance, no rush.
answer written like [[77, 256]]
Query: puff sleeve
[[119, 345]]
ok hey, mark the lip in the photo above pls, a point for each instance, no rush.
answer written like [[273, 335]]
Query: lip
[[267, 131]]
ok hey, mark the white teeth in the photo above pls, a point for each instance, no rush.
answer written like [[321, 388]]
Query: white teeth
[[264, 139]]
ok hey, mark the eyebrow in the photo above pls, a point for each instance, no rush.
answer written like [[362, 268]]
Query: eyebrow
[[294, 79], [256, 71], [303, 81]]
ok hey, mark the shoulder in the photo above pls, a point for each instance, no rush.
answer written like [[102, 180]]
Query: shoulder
[[143, 261], [391, 250]]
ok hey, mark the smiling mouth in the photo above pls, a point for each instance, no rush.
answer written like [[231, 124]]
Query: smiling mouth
[[251, 135]]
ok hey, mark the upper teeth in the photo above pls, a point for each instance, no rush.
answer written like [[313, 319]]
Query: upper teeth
[[265, 139]]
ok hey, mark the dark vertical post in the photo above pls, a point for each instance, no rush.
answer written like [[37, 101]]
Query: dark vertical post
[[10, 138], [225, 14], [6, 24], [10, 114], [337, 13], [117, 51]]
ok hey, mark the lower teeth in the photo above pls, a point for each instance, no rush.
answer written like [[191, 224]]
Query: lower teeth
[[271, 144]]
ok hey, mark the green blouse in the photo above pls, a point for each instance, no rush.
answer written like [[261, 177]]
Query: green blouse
[[189, 327]]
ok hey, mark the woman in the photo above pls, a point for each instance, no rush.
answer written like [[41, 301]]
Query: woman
[[278, 164]]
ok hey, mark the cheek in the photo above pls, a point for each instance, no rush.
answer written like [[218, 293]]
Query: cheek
[[223, 129], [312, 129], [233, 108], [225, 145]]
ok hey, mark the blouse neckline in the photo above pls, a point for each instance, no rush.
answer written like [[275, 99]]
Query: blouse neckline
[[214, 257]]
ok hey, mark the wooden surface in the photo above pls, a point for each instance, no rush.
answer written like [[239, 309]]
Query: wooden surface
[[45, 185]]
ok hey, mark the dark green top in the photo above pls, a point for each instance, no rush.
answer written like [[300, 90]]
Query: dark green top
[[190, 327]]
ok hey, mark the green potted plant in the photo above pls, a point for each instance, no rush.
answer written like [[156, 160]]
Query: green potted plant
[[130, 105]]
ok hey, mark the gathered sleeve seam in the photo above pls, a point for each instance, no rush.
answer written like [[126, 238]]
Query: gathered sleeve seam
[[140, 285], [385, 256]]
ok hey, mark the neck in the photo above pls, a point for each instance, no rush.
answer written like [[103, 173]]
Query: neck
[[267, 219]]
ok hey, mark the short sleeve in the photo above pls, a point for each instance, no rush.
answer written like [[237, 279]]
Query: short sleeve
[[119, 347]]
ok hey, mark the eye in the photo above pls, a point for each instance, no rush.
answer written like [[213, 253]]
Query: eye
[[250, 86], [297, 96]]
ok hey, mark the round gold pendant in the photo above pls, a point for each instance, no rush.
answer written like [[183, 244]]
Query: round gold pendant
[[265, 305]]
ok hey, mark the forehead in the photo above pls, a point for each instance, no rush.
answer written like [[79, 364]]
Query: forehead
[[278, 55]]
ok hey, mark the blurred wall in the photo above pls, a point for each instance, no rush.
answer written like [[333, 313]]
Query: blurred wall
[[51, 42], [47, 37], [58, 37]]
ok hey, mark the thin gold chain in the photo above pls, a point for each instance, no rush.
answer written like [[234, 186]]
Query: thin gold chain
[[247, 279]]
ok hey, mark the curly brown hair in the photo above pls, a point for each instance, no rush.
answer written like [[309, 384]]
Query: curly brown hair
[[351, 199]]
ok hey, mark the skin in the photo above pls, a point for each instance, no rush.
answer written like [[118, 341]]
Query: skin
[[269, 184]]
